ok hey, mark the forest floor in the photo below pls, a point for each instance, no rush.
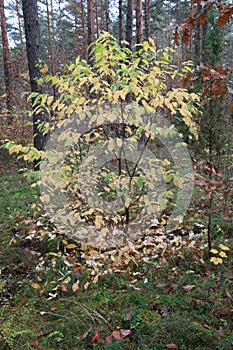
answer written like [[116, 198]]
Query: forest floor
[[58, 294]]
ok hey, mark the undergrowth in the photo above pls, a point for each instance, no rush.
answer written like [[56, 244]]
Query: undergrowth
[[176, 300]]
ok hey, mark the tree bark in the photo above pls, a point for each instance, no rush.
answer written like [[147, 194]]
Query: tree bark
[[129, 24], [120, 21], [139, 21], [90, 26], [6, 62], [107, 16], [97, 18], [50, 44], [147, 18], [21, 37], [33, 45]]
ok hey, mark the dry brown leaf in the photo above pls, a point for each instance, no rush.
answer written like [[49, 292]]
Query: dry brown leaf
[[171, 346], [35, 285], [189, 287]]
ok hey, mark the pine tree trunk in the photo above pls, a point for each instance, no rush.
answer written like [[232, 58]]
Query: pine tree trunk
[[21, 37], [120, 21], [139, 21], [50, 44], [6, 62], [129, 24], [107, 16], [83, 28], [147, 18], [97, 18], [90, 26], [63, 54], [33, 45]]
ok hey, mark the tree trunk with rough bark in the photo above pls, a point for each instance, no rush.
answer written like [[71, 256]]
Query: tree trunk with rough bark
[[129, 24], [33, 45], [6, 62]]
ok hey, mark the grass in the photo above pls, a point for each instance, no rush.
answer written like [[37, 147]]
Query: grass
[[180, 301]]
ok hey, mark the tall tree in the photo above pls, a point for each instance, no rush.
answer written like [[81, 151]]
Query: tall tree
[[17, 8], [33, 45], [139, 21], [90, 25], [50, 33], [147, 18], [107, 15], [120, 21], [129, 24], [6, 61]]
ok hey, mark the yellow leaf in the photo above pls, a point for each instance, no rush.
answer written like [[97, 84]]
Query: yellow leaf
[[127, 202], [223, 247], [223, 254], [216, 261], [111, 145], [75, 287], [214, 251], [99, 221], [119, 142], [95, 280], [100, 119], [71, 246], [50, 100]]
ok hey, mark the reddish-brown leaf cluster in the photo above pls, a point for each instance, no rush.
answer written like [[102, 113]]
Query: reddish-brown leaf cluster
[[225, 13], [213, 81]]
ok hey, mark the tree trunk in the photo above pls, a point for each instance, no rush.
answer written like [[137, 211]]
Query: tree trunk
[[90, 26], [120, 21], [21, 37], [83, 29], [139, 21], [33, 45], [147, 18], [107, 16], [6, 62], [63, 49], [97, 18], [50, 44], [129, 24]]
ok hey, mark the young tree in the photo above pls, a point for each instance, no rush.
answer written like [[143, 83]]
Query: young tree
[[33, 45], [6, 61]]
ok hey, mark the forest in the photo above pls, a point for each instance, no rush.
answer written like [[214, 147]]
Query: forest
[[116, 177]]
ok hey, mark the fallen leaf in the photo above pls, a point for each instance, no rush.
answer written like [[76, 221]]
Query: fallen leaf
[[71, 246], [45, 332], [116, 334], [189, 287], [75, 287], [221, 332], [35, 344], [171, 346], [108, 340], [24, 300], [53, 308], [35, 285], [126, 332], [128, 317], [95, 337]]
